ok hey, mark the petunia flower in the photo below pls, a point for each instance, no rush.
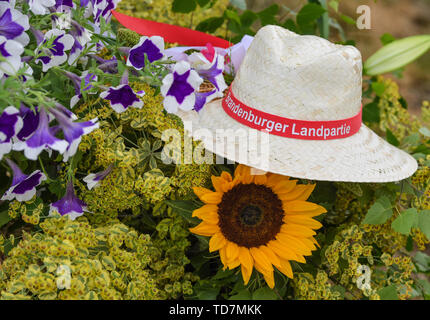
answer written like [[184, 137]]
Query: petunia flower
[[82, 37], [153, 47], [103, 8], [210, 70], [23, 186], [10, 52], [179, 88], [93, 179], [39, 7], [30, 120], [56, 54], [10, 125], [73, 131], [122, 97], [13, 24], [205, 97], [69, 205], [41, 139], [88, 78]]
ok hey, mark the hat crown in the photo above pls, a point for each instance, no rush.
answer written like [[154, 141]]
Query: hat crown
[[300, 77]]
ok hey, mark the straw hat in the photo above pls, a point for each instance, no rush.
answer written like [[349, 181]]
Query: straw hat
[[285, 75]]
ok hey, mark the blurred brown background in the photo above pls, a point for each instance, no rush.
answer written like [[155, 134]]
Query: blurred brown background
[[400, 18]]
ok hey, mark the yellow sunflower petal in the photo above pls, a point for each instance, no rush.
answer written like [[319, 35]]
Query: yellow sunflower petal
[[246, 274], [205, 229], [200, 191], [226, 176], [282, 251], [217, 242], [284, 187], [293, 243], [273, 179], [223, 257], [299, 206], [240, 170], [297, 230], [274, 259], [244, 172], [246, 258], [314, 241], [218, 183], [261, 259], [232, 251], [309, 189], [233, 264], [212, 198], [295, 193], [286, 269], [206, 209], [270, 280], [260, 179], [302, 220]]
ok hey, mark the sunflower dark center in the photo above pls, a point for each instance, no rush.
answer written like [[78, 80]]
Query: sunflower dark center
[[250, 215]]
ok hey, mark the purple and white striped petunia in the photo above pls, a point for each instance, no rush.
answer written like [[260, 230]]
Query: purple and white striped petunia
[[179, 88], [153, 47], [42, 138], [205, 97], [10, 51], [30, 120], [88, 78], [82, 37], [210, 70], [23, 186], [10, 125], [103, 8], [73, 131], [122, 97], [39, 7], [13, 24], [56, 53], [69, 205], [93, 179]]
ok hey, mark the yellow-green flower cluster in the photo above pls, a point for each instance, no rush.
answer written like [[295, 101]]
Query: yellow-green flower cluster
[[308, 287]]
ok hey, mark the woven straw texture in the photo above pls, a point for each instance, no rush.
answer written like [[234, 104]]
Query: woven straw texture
[[305, 78]]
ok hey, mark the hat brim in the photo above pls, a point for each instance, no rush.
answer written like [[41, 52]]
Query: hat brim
[[362, 157]]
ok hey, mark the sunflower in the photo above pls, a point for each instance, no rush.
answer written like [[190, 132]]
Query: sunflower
[[261, 221]]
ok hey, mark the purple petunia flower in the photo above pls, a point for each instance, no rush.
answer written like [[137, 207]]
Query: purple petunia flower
[[30, 120], [39, 7], [179, 88], [88, 79], [73, 131], [103, 8], [205, 97], [93, 179], [69, 205], [10, 125], [82, 37], [23, 186], [153, 47], [13, 24], [11, 51], [122, 97], [42, 138], [210, 70], [56, 54]]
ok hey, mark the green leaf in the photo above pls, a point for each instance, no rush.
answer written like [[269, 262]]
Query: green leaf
[[397, 54], [371, 113], [4, 218], [232, 15], [264, 294], [347, 19], [406, 220], [247, 18], [242, 295], [210, 25], [184, 6], [203, 3], [388, 293], [240, 4], [422, 260], [391, 138], [425, 132], [184, 208], [387, 38], [267, 16], [334, 4], [424, 222], [379, 212], [378, 88], [309, 14]]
